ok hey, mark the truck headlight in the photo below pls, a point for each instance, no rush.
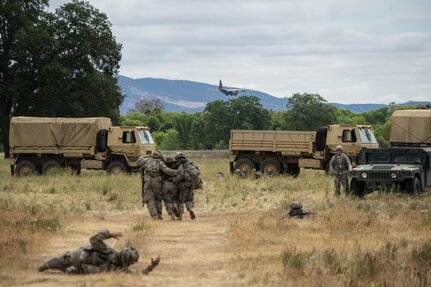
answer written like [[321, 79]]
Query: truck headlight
[[394, 175], [364, 175]]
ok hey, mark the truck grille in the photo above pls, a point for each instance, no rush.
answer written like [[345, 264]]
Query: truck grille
[[379, 175]]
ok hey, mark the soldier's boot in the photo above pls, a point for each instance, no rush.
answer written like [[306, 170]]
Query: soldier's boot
[[42, 268], [180, 216], [176, 211], [159, 216], [192, 214], [173, 217]]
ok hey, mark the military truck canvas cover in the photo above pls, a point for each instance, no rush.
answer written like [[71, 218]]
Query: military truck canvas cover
[[55, 132], [411, 126]]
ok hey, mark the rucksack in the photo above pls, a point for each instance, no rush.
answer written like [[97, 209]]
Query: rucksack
[[195, 175]]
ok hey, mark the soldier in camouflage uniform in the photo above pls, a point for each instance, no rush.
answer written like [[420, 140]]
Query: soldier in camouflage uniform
[[339, 166], [97, 258], [185, 185], [153, 168], [170, 193]]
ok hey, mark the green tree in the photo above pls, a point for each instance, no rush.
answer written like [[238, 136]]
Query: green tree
[[17, 18], [57, 64], [183, 126], [241, 113], [308, 112]]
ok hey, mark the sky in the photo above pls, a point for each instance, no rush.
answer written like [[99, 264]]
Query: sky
[[348, 51]]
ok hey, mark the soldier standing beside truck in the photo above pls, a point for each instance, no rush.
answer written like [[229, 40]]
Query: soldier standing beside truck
[[339, 166]]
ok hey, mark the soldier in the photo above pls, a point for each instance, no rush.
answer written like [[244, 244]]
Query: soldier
[[295, 210], [153, 168], [170, 193], [97, 258], [338, 167], [186, 185]]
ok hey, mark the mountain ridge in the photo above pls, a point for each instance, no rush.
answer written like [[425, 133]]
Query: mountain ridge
[[189, 96]]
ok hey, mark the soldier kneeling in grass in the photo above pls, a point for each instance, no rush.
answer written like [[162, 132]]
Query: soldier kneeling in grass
[[98, 258]]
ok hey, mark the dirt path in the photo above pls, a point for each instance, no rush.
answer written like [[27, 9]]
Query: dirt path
[[193, 253]]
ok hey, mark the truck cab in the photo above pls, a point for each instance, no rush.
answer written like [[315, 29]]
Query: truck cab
[[353, 138], [126, 144], [406, 168]]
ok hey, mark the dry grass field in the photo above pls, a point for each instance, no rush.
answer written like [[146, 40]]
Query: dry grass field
[[240, 237]]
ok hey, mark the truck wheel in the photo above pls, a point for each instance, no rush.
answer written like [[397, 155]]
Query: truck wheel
[[25, 168], [270, 167], [413, 186], [293, 170], [116, 167], [51, 167], [357, 187], [245, 165]]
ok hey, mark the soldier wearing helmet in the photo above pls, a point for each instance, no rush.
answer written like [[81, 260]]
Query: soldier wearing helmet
[[97, 258], [153, 169], [339, 166], [188, 180]]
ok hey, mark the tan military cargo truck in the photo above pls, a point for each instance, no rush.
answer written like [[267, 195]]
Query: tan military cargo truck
[[275, 152], [410, 128], [42, 145]]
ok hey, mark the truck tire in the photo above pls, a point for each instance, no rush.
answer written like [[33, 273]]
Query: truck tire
[[413, 186], [51, 166], [116, 167], [25, 168], [270, 167], [293, 171], [321, 139], [245, 165], [357, 187], [102, 140]]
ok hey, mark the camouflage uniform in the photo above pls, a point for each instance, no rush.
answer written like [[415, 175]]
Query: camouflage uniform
[[153, 170], [185, 184], [338, 167], [94, 259], [170, 194]]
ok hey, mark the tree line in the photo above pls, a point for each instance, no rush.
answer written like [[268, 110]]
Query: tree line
[[211, 128]]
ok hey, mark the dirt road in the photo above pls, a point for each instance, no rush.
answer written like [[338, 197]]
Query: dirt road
[[193, 253]]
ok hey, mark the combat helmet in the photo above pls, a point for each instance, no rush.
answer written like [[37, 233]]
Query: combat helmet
[[339, 147], [295, 205], [179, 155], [157, 155], [128, 256]]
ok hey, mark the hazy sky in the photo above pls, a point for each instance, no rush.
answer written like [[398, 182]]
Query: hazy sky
[[348, 51]]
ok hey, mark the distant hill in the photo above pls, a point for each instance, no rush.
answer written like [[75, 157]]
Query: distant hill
[[188, 96], [183, 96]]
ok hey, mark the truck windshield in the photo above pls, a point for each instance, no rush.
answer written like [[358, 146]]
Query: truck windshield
[[367, 136], [145, 137]]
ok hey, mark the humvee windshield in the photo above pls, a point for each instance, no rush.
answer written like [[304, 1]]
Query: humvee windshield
[[145, 137], [367, 136], [395, 156]]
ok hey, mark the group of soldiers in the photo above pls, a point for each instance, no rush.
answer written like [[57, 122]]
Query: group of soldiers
[[172, 181]]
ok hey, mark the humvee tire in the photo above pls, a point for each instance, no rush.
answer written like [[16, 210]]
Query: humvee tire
[[412, 186], [357, 187]]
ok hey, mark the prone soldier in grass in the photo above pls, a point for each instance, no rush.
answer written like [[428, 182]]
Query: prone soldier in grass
[[97, 258], [153, 168]]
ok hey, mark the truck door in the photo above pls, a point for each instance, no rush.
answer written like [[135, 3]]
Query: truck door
[[349, 141], [129, 144]]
